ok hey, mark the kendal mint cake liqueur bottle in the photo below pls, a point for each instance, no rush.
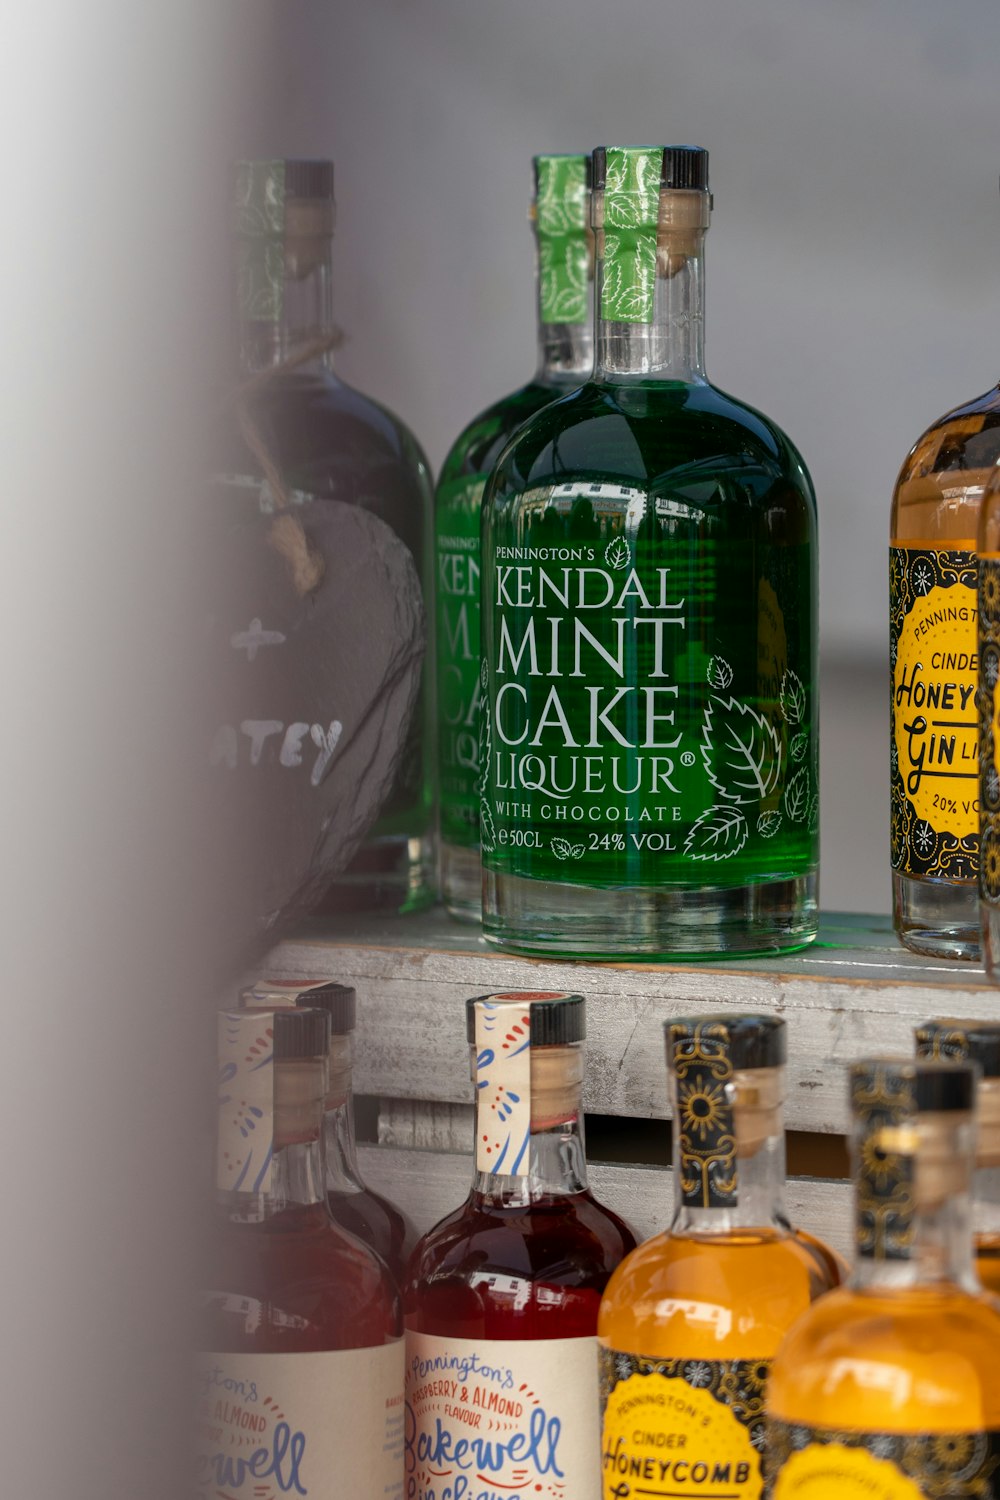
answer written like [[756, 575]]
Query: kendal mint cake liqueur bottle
[[649, 743], [561, 216]]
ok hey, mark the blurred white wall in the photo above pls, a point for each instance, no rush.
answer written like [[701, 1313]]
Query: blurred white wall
[[853, 263]]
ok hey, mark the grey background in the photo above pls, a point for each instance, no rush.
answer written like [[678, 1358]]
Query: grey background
[[852, 278]]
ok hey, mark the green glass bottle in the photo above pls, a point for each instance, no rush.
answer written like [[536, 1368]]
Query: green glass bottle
[[565, 264], [649, 743]]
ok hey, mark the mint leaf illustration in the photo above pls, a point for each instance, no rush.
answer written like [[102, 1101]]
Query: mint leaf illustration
[[718, 834], [720, 674], [799, 745], [797, 796], [813, 816], [561, 848], [742, 752], [576, 851], [487, 831], [768, 824], [793, 697], [616, 553]]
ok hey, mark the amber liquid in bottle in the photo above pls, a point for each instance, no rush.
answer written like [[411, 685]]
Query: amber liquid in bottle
[[890, 1382], [691, 1320], [934, 753]]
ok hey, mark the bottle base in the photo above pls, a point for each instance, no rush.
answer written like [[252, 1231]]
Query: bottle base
[[388, 874], [546, 918], [937, 918], [461, 881]]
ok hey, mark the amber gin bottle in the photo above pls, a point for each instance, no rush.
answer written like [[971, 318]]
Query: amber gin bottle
[[934, 751], [565, 274], [978, 1042], [328, 442], [649, 744], [691, 1320], [301, 1390], [888, 1386], [501, 1305]]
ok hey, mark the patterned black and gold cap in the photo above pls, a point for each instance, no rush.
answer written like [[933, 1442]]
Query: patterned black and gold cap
[[961, 1041], [747, 1041], [896, 1089]]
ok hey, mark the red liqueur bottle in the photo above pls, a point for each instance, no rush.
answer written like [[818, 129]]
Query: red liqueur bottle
[[301, 1390], [503, 1295]]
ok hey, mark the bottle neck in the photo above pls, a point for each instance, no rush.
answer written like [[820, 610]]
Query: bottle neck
[[285, 297], [734, 1180], [340, 1148], [914, 1205], [671, 346], [296, 1175], [554, 1160], [986, 1201], [565, 354]]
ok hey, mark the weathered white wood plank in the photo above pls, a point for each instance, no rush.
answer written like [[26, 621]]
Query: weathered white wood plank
[[856, 992], [429, 1184]]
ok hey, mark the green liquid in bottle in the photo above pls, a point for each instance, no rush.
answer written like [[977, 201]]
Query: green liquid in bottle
[[649, 641]]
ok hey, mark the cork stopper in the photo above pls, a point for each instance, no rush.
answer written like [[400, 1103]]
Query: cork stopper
[[556, 1084], [965, 1040], [300, 1089], [758, 1101]]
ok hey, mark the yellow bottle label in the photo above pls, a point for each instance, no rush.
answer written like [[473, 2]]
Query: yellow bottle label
[[810, 1463], [934, 749], [681, 1427], [989, 727], [830, 1472]]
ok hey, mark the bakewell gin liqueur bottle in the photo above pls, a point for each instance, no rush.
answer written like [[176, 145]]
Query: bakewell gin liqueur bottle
[[888, 1386], [353, 1204], [561, 216], [934, 750], [649, 739], [328, 442], [691, 1320], [501, 1305], [977, 1042], [301, 1387]]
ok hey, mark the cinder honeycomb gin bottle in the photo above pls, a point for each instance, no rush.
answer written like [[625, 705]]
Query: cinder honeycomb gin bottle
[[690, 1321], [888, 1386], [561, 215], [649, 745], [934, 749], [988, 698]]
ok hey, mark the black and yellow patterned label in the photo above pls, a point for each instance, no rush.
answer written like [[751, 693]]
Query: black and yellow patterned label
[[989, 729], [678, 1427], [703, 1070], [884, 1105], [809, 1463], [934, 747]]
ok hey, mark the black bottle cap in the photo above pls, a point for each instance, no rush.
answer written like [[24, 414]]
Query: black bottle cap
[[305, 178], [684, 167], [338, 1000], [962, 1041], [754, 1041], [901, 1088], [557, 1019], [301, 1034]]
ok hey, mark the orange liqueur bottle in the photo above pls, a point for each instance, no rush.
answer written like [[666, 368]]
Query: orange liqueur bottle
[[978, 1042], [934, 751], [887, 1389], [691, 1320]]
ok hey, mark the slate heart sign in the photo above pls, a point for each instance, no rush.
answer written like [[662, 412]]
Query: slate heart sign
[[312, 697]]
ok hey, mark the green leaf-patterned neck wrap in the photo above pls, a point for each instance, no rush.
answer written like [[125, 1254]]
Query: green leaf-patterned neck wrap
[[631, 215], [562, 222], [259, 222]]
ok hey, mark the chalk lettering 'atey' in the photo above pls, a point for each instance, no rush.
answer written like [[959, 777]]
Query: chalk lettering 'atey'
[[256, 735]]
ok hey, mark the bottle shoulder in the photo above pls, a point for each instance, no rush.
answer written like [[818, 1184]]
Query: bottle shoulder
[[653, 433], [718, 1296], [940, 485], [914, 1359], [478, 445]]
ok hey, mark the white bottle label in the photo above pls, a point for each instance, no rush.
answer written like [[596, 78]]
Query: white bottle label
[[325, 1426], [492, 1418]]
